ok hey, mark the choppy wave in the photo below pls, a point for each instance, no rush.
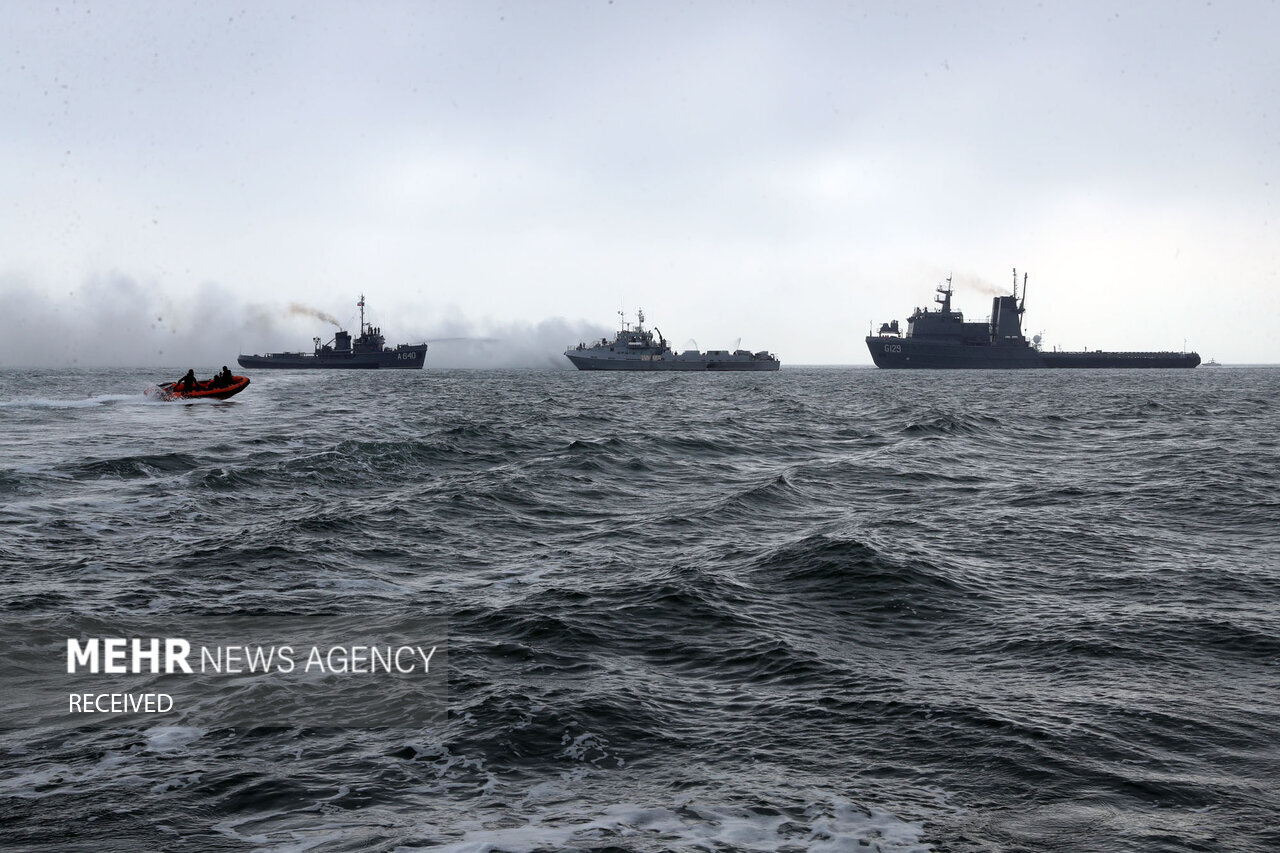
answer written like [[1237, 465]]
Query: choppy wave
[[816, 610]]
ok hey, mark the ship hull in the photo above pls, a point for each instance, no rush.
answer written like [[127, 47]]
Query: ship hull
[[727, 363], [401, 358], [1120, 359], [906, 354]]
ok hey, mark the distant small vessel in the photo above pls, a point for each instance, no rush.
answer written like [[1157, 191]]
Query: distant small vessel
[[202, 391], [942, 339], [367, 352], [637, 349], [1211, 363]]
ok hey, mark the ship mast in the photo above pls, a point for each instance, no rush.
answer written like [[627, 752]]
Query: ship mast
[[943, 296], [1015, 289], [361, 304]]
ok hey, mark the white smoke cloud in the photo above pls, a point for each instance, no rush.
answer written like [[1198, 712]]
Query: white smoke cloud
[[978, 284], [117, 321], [459, 342]]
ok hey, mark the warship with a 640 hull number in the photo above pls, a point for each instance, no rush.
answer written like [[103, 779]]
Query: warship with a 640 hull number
[[367, 352], [637, 349], [941, 339]]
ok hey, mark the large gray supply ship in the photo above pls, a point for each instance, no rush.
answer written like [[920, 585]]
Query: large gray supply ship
[[367, 352], [638, 349], [941, 339]]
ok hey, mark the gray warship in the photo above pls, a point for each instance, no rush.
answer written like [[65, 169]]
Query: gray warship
[[941, 339], [637, 349], [367, 352]]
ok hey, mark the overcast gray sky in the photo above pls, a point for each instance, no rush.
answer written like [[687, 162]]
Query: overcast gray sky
[[785, 174]]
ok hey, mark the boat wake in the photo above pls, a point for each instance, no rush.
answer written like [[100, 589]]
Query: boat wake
[[85, 403]]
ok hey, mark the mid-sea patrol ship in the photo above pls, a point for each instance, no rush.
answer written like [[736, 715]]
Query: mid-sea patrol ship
[[637, 349], [367, 352]]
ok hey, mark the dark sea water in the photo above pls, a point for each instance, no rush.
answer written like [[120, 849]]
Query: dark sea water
[[823, 609]]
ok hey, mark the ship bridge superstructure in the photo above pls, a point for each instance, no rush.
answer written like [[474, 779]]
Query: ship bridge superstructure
[[371, 339], [636, 340], [1002, 328]]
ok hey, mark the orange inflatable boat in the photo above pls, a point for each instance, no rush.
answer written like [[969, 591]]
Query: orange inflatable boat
[[202, 390]]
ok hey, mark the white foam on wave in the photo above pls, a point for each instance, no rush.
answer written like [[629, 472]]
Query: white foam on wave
[[172, 738], [833, 825], [231, 828], [55, 779], [338, 835], [84, 403], [130, 768]]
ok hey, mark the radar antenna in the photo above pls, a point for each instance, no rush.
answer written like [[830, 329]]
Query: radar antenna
[[943, 296]]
